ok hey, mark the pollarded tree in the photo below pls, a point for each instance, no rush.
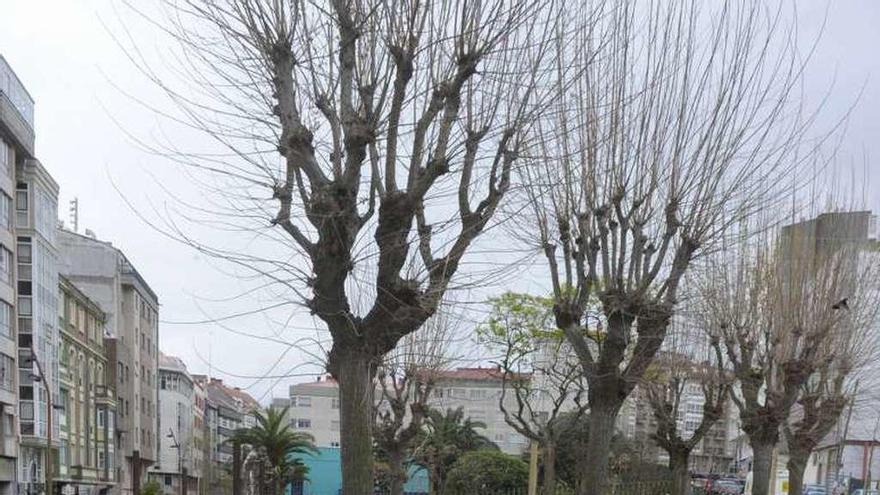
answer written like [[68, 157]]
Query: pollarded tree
[[666, 386], [346, 126], [540, 377], [684, 123], [406, 380], [849, 351], [777, 310]]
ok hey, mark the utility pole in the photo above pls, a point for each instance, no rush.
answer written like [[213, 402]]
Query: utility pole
[[180, 468], [49, 409]]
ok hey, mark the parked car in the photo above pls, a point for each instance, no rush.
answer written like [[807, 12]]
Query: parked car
[[862, 491], [814, 490], [726, 487]]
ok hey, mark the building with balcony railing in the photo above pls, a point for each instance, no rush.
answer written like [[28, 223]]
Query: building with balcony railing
[[16, 146], [87, 405], [109, 278]]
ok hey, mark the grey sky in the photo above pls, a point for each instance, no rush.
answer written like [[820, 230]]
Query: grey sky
[[65, 56]]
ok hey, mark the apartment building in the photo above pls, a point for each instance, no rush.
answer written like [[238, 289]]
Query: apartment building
[[87, 417], [178, 469], [314, 406], [226, 410], [107, 277], [36, 213], [16, 146]]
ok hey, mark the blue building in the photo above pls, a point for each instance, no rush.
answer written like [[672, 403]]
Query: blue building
[[325, 475]]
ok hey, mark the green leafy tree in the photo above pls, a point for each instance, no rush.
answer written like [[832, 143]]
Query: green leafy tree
[[446, 437], [540, 374], [486, 471], [278, 446]]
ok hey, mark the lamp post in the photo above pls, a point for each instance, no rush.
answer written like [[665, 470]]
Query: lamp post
[[180, 468], [49, 408]]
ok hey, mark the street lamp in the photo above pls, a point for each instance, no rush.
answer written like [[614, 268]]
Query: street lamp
[[49, 409], [180, 467]]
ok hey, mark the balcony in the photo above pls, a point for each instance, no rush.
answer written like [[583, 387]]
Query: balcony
[[83, 473], [16, 108]]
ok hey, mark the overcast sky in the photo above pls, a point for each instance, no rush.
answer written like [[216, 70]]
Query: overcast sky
[[64, 53]]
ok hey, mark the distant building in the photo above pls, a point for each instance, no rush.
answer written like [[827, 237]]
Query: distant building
[[107, 276], [179, 452], [314, 406], [226, 410], [87, 418]]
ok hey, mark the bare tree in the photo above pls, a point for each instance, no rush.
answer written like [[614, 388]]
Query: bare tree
[[666, 386], [847, 352], [775, 309], [406, 380], [684, 123], [346, 127], [540, 377]]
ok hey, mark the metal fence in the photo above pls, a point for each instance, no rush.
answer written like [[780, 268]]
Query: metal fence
[[632, 488]]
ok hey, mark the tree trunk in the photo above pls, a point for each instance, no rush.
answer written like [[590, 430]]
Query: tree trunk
[[354, 372], [236, 468], [549, 485], [602, 421], [678, 464], [797, 464], [762, 463], [398, 473]]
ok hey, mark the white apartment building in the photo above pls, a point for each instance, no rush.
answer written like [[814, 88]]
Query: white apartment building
[[36, 213], [314, 406], [179, 459]]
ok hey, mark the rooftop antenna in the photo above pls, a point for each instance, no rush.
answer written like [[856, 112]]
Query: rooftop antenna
[[74, 214]]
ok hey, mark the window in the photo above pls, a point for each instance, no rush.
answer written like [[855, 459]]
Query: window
[[5, 319], [304, 423], [5, 207], [335, 403], [27, 411], [100, 418], [4, 158], [167, 480], [25, 307], [101, 461], [334, 444], [302, 401], [499, 438], [334, 425], [7, 372], [21, 205], [6, 265], [478, 394]]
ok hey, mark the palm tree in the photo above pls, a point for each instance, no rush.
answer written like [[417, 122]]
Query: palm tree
[[278, 446], [444, 439]]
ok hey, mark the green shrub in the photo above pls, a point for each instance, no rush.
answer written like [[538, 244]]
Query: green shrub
[[486, 471], [151, 488]]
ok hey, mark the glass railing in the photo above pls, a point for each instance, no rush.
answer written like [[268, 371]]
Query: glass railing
[[15, 91]]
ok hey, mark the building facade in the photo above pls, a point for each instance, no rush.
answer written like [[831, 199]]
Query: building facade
[[87, 418], [106, 275], [178, 468], [36, 213], [16, 147], [314, 406], [226, 410]]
